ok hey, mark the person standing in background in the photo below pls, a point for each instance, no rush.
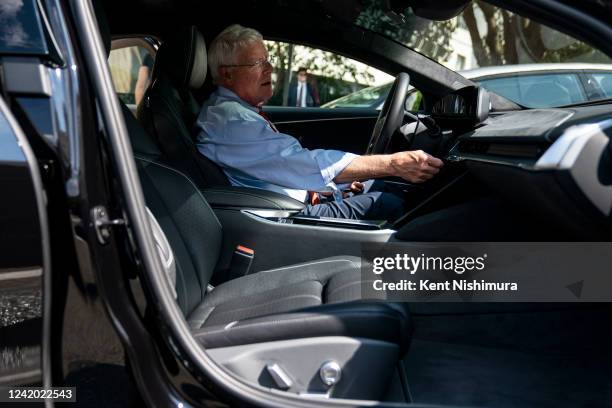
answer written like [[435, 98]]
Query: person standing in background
[[144, 75], [303, 93]]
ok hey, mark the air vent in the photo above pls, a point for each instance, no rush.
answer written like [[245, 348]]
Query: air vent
[[516, 150]]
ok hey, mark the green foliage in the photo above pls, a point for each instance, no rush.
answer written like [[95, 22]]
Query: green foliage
[[498, 37], [505, 38], [334, 75], [431, 38], [329, 89]]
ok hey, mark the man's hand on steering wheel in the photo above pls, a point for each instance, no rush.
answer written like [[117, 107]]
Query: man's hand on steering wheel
[[415, 166]]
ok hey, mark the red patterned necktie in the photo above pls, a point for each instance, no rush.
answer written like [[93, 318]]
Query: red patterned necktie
[[263, 115], [313, 196]]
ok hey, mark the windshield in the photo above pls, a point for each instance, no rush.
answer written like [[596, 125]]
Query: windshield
[[484, 35]]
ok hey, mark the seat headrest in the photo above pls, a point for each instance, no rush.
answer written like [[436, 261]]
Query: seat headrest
[[182, 58]]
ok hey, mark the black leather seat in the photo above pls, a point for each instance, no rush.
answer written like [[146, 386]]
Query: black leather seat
[[168, 113], [318, 298], [169, 109]]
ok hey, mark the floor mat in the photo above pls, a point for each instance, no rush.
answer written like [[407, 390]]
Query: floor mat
[[460, 374]]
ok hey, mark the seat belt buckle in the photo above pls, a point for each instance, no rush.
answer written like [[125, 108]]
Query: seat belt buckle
[[314, 198], [242, 260]]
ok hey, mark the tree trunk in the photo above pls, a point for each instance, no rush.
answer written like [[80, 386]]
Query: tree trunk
[[510, 37], [491, 38], [478, 46], [287, 78]]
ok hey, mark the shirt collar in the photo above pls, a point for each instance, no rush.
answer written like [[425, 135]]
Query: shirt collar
[[227, 94]]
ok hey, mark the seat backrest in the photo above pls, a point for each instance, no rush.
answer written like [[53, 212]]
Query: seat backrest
[[168, 110], [191, 226], [193, 230]]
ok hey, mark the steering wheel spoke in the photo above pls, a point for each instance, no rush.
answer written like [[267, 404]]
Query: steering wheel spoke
[[391, 116]]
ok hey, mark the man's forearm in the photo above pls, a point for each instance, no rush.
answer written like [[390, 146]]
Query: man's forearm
[[366, 167], [413, 166]]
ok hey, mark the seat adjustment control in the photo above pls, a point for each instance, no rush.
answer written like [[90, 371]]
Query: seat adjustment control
[[280, 377], [330, 373]]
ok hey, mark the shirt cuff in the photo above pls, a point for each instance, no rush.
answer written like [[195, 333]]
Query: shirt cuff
[[330, 172]]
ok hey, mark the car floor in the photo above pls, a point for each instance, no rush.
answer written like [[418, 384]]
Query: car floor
[[528, 359]]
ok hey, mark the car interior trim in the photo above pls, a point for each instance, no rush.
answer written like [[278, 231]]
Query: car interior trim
[[284, 122], [269, 213], [333, 224]]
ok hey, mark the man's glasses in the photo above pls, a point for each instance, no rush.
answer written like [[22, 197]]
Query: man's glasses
[[259, 63]]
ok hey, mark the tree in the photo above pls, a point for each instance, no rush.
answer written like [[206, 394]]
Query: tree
[[498, 36], [431, 38], [506, 38], [290, 57]]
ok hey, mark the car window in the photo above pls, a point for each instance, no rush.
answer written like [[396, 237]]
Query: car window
[[310, 77], [604, 81], [538, 91], [370, 97], [131, 68]]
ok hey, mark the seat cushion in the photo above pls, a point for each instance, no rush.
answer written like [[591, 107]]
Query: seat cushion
[[319, 298]]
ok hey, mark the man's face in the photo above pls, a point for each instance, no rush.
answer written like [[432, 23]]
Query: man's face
[[301, 76], [252, 84]]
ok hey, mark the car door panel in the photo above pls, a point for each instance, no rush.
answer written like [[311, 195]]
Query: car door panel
[[346, 129]]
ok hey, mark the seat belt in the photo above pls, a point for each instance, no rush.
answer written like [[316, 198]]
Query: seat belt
[[241, 262]]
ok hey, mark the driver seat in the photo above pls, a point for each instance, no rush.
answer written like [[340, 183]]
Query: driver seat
[[169, 109]]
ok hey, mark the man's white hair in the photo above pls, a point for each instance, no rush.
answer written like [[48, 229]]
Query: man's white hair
[[224, 48]]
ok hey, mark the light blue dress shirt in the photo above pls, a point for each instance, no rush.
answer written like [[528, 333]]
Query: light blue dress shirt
[[252, 154]]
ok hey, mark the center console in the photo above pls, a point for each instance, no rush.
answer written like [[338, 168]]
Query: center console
[[268, 223]]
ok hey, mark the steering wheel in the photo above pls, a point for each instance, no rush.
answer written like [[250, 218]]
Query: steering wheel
[[390, 117]]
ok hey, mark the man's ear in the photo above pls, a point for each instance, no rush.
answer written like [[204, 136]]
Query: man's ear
[[225, 74]]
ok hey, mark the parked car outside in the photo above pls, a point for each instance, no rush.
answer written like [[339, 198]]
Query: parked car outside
[[529, 85]]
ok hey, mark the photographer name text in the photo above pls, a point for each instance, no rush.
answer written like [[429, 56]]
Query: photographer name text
[[426, 285]]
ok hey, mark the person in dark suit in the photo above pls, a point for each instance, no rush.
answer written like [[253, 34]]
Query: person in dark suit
[[303, 93]]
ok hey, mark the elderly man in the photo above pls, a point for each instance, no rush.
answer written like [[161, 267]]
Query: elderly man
[[235, 134]]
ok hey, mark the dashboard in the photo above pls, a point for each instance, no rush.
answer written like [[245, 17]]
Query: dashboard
[[554, 161]]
